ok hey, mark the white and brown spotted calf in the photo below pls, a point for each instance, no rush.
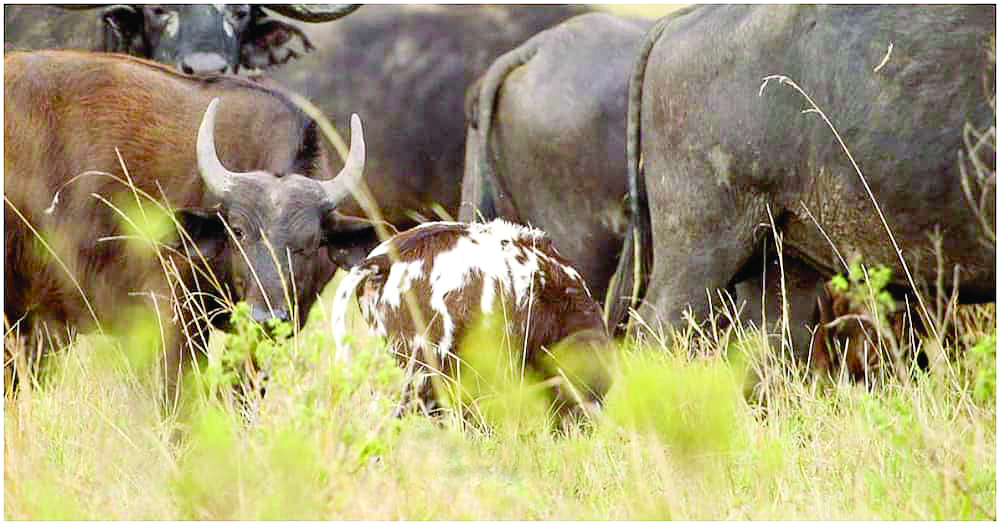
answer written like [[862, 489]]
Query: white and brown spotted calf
[[456, 273]]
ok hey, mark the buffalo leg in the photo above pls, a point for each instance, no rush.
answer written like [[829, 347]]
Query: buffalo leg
[[762, 295], [703, 234]]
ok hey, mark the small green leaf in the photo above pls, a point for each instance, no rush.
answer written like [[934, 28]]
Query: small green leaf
[[839, 283]]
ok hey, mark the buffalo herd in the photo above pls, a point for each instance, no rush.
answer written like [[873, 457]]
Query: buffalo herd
[[741, 151]]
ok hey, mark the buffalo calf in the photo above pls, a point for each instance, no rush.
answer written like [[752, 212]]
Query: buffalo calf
[[850, 339], [457, 272]]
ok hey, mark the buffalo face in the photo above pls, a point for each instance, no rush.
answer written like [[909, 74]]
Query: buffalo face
[[197, 38], [210, 38], [271, 233], [194, 38]]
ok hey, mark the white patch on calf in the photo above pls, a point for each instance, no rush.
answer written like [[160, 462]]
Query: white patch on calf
[[523, 275], [452, 270], [489, 296], [401, 276], [368, 302], [338, 315], [500, 229], [172, 26], [489, 253], [447, 323], [498, 239]]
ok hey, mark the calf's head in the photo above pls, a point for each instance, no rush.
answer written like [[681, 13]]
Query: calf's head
[[270, 232]]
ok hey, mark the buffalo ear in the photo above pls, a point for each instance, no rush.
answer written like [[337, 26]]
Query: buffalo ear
[[270, 43], [122, 30], [348, 239], [206, 230]]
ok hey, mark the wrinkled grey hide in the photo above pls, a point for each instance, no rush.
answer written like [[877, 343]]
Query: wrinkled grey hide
[[720, 153], [554, 158]]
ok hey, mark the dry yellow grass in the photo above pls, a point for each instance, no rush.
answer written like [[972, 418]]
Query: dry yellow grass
[[676, 442]]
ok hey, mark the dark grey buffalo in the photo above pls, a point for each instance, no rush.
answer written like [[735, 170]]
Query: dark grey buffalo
[[546, 142], [722, 154], [204, 38], [405, 70], [258, 228]]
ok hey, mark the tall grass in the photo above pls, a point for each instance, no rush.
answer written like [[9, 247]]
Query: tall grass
[[675, 441]]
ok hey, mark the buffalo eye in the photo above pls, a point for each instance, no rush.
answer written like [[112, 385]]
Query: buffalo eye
[[159, 11], [238, 234]]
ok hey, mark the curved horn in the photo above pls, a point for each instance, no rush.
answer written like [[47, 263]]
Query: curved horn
[[313, 12], [218, 180], [338, 188]]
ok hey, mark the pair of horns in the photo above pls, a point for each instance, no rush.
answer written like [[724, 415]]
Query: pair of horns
[[218, 180], [303, 12]]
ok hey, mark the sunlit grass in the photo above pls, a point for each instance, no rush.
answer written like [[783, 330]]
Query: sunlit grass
[[675, 441]]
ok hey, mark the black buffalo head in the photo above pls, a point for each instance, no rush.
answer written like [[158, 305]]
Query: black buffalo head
[[270, 233], [211, 38]]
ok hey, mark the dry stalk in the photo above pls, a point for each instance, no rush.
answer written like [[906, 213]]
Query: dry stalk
[[982, 179], [942, 313], [814, 108], [362, 195]]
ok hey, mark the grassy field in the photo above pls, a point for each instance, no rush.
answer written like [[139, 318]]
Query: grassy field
[[676, 440]]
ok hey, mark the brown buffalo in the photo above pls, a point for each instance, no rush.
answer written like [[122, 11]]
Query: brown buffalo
[[258, 224]]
